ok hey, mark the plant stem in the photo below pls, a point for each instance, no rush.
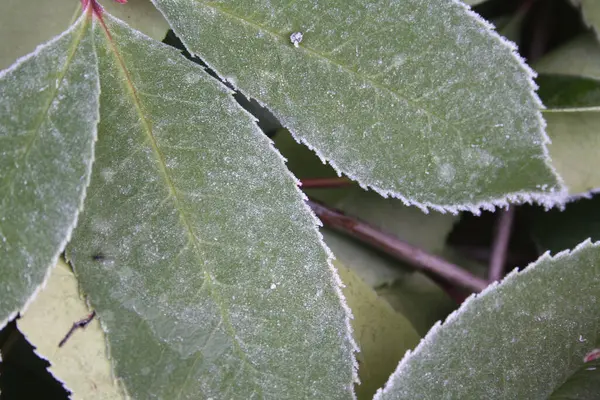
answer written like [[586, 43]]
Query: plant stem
[[397, 248], [77, 325], [500, 245], [318, 183]]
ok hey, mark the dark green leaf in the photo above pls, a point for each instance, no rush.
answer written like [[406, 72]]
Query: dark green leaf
[[559, 230], [582, 385], [564, 91], [570, 84]]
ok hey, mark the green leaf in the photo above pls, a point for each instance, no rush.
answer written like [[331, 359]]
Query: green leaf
[[370, 265], [420, 299], [520, 339], [427, 231], [417, 100], [582, 385], [81, 364], [382, 334], [304, 164], [196, 248], [579, 57], [570, 87], [48, 115], [591, 12], [558, 230], [25, 23], [564, 91], [18, 19], [575, 146], [407, 291], [412, 294]]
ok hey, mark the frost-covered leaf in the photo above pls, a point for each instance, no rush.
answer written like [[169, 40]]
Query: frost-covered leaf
[[570, 88], [520, 339], [418, 100], [81, 364], [411, 293], [382, 334], [25, 23], [590, 9], [195, 247], [48, 115], [427, 231]]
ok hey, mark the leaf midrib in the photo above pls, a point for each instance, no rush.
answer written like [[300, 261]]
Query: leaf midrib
[[173, 194]]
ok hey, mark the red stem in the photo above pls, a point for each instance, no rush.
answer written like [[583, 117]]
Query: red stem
[[319, 183], [394, 246], [500, 245]]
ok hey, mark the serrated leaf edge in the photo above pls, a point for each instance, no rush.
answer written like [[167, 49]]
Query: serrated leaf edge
[[336, 281], [556, 198], [335, 278], [514, 274], [71, 228]]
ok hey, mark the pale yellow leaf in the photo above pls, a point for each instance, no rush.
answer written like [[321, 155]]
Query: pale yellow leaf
[[81, 363]]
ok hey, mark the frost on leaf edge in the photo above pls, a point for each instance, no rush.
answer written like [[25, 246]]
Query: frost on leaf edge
[[514, 274], [555, 198], [88, 176], [336, 281]]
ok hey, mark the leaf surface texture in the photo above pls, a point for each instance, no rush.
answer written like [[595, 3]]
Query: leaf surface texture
[[419, 100], [537, 323], [195, 248], [49, 103]]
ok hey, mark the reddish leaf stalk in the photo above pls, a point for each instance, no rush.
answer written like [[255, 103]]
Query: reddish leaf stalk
[[500, 245], [324, 183], [95, 7], [418, 258]]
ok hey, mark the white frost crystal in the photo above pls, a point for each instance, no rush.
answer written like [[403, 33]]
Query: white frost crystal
[[296, 38]]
